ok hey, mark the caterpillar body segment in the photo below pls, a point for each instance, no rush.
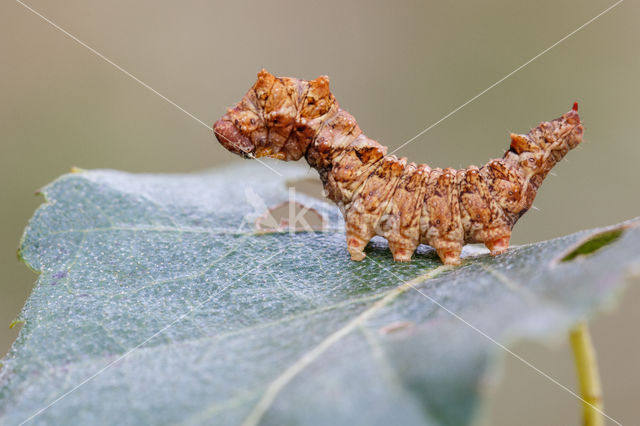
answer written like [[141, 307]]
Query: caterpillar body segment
[[380, 194]]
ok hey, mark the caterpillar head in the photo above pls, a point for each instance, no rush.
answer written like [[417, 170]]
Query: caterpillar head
[[537, 152], [278, 117]]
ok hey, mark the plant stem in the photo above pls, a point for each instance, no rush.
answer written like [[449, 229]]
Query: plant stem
[[588, 376]]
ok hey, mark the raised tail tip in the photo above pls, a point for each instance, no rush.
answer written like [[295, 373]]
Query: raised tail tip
[[572, 116]]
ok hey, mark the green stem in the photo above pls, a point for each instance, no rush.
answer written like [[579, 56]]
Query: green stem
[[588, 376]]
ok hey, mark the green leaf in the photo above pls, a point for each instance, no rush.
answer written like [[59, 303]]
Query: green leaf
[[157, 303]]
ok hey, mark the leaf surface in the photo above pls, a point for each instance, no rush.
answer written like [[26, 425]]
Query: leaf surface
[[157, 302]]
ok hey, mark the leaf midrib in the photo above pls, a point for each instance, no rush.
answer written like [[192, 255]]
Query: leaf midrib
[[280, 382]]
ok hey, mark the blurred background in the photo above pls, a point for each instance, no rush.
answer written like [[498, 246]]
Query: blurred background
[[397, 67]]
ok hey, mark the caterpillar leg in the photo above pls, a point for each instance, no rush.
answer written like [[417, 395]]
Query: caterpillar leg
[[448, 251], [498, 245], [355, 246], [401, 252]]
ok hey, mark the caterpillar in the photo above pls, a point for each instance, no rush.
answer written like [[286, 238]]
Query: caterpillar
[[379, 194]]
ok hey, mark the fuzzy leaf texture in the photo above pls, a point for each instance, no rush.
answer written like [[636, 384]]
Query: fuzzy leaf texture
[[233, 327]]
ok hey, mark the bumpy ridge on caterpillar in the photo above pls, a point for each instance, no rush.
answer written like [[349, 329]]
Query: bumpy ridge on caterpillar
[[380, 194]]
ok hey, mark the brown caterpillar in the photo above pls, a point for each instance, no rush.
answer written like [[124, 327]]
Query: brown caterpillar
[[379, 194]]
